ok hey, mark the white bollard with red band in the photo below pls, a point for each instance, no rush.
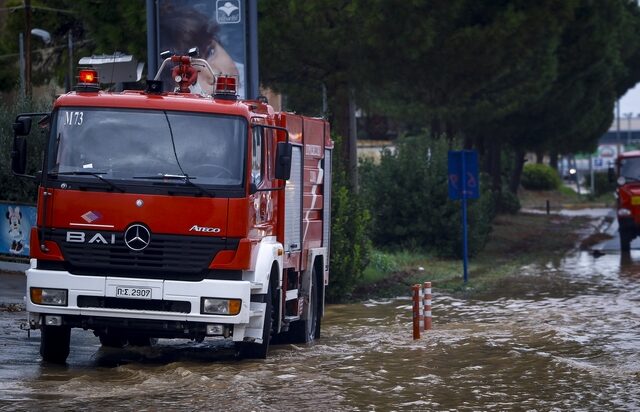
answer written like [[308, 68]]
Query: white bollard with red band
[[426, 293], [421, 295]]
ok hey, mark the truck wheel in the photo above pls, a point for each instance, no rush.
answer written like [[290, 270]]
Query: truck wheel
[[113, 340], [54, 343], [250, 350], [625, 240], [308, 330]]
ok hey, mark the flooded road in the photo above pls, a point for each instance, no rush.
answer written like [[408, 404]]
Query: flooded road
[[565, 336]]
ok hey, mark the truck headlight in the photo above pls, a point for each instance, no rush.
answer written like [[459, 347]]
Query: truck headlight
[[47, 296], [220, 306], [624, 212]]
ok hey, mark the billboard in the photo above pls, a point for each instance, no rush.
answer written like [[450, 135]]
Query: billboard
[[15, 228], [217, 27]]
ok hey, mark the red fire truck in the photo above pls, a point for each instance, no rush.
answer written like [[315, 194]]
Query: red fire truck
[[177, 215], [627, 170]]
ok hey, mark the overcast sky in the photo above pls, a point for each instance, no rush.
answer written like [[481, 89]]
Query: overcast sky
[[630, 102]]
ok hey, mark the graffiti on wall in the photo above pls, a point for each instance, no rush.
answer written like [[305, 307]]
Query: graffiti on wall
[[15, 228]]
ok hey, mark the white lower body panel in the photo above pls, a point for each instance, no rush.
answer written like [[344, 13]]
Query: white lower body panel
[[248, 322]]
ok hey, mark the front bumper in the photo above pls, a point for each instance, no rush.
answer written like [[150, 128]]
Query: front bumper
[[174, 305]]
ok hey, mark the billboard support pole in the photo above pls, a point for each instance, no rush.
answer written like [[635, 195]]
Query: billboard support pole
[[152, 52], [252, 34]]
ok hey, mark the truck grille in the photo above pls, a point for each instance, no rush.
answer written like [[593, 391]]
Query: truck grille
[[165, 257], [134, 304]]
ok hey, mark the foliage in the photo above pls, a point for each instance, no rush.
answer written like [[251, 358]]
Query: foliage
[[408, 197], [350, 244], [602, 184], [318, 40], [15, 188], [95, 28], [507, 202], [508, 75], [540, 177]]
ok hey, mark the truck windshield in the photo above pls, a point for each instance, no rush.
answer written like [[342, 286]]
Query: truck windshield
[[148, 144], [630, 167]]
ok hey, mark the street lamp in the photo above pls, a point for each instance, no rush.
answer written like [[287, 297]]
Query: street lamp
[[573, 172], [43, 34], [46, 38]]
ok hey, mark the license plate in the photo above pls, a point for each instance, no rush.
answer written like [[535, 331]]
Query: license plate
[[635, 200], [132, 292]]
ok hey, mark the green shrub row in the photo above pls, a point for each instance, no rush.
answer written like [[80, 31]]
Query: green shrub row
[[537, 176], [350, 242], [407, 195]]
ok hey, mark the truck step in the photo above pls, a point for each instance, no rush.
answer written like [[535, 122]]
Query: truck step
[[256, 285], [292, 294], [291, 318], [254, 313]]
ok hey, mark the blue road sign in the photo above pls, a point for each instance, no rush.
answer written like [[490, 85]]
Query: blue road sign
[[463, 184], [463, 174]]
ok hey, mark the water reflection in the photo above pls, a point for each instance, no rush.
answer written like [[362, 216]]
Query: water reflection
[[630, 265]]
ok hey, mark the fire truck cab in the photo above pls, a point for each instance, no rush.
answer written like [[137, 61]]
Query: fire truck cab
[[177, 215], [627, 171]]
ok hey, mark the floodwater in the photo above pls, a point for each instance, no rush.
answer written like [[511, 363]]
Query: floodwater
[[565, 336]]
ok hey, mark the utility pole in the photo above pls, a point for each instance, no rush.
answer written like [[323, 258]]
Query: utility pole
[[21, 51], [27, 47], [70, 49], [353, 141], [618, 151], [628, 116]]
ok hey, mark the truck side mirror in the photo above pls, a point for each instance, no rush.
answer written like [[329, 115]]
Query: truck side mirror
[[19, 155], [22, 126], [283, 161]]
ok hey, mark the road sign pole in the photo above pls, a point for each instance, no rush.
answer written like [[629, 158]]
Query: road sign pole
[[463, 184], [464, 215]]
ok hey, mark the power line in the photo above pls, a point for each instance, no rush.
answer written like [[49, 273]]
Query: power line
[[14, 8], [48, 49]]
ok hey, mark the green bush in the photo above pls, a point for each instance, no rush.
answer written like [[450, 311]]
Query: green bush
[[508, 202], [350, 244], [13, 188], [407, 194], [382, 262], [601, 183], [540, 177]]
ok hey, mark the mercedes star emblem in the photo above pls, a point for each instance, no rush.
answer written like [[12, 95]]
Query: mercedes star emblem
[[137, 237]]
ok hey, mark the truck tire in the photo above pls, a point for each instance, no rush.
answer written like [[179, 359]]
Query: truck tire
[[308, 330], [625, 240], [54, 343], [112, 340], [250, 350]]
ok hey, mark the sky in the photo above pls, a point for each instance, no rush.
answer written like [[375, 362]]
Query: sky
[[630, 102]]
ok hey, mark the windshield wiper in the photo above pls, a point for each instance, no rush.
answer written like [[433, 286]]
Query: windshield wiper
[[185, 178], [109, 183]]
